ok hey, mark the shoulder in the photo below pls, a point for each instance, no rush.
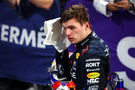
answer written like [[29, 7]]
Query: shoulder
[[98, 47]]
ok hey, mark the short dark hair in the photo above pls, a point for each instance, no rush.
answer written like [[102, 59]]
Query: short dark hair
[[79, 12]]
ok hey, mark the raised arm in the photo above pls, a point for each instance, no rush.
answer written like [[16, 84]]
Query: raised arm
[[45, 4]]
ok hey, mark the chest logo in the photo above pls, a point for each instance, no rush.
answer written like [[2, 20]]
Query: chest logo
[[93, 75], [77, 55]]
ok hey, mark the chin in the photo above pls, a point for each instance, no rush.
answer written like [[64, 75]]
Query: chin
[[73, 42]]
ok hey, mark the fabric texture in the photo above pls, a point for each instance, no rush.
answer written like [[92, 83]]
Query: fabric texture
[[55, 35]]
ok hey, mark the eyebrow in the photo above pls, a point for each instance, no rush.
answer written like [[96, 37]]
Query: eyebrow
[[69, 26]]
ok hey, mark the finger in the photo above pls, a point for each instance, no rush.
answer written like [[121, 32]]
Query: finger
[[18, 2], [12, 3], [122, 2]]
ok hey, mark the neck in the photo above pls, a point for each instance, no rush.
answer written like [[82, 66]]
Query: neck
[[88, 32]]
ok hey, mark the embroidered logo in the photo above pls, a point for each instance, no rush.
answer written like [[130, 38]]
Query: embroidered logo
[[77, 55], [93, 75]]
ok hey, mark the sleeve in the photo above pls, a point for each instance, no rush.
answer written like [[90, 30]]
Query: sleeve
[[132, 9], [94, 71], [132, 1], [63, 64], [100, 6]]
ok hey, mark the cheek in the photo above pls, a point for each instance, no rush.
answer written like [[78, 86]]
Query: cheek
[[81, 33], [78, 34]]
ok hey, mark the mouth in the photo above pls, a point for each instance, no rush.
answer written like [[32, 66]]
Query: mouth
[[70, 39]]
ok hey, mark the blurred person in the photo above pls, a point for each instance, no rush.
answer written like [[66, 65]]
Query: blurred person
[[106, 7], [62, 4], [20, 75], [45, 4], [88, 66], [22, 6]]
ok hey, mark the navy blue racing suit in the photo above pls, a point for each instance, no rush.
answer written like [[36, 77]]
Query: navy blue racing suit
[[88, 67]]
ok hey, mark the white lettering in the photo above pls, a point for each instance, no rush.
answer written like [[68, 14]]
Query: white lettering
[[122, 51], [89, 70], [14, 33], [96, 64], [4, 32], [73, 75], [93, 59], [40, 40], [94, 87], [92, 81], [27, 38], [126, 59]]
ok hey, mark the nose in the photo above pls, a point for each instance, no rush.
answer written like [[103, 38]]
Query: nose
[[67, 32]]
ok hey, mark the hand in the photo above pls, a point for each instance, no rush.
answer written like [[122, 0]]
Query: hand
[[45, 4], [12, 3], [124, 4], [112, 6]]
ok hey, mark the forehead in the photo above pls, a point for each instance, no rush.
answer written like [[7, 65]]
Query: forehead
[[71, 22]]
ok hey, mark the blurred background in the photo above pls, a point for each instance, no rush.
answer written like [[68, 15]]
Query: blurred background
[[24, 60]]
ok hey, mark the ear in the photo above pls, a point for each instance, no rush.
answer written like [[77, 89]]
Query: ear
[[87, 25]]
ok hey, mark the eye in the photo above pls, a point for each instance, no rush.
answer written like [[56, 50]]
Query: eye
[[72, 27], [64, 28]]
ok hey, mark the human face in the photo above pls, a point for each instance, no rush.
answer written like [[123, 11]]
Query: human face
[[75, 31]]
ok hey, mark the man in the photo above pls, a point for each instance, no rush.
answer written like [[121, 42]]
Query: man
[[88, 66], [106, 7], [33, 13]]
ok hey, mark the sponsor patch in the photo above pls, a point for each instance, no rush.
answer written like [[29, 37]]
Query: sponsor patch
[[92, 64], [94, 87], [92, 59], [93, 75], [77, 55], [92, 81], [91, 70]]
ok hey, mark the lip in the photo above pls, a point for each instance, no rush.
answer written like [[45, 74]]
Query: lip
[[70, 39]]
